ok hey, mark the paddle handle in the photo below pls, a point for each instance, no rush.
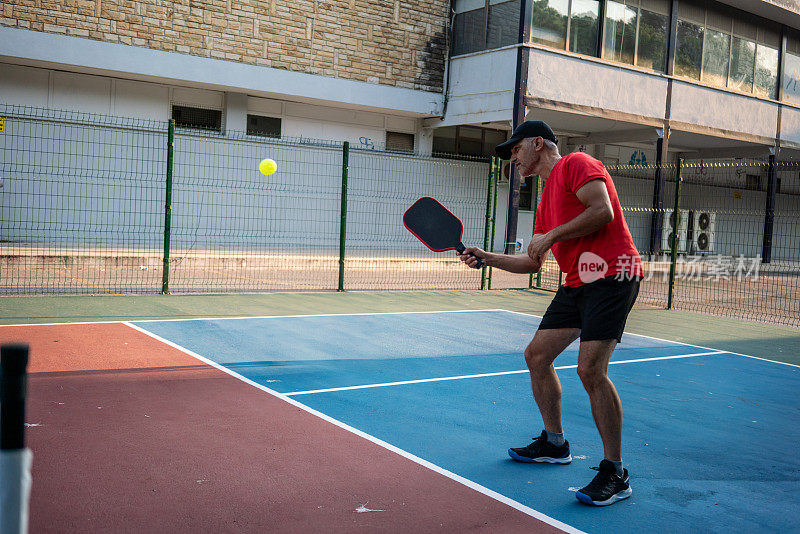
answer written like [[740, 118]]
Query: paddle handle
[[13, 386], [460, 249]]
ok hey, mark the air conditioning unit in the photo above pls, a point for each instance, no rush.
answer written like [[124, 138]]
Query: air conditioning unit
[[703, 223], [668, 230], [505, 172]]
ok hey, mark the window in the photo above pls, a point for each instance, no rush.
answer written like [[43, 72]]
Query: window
[[583, 27], [791, 69], [727, 48], [636, 33], [503, 24], [766, 78], [689, 49], [468, 29], [445, 140], [199, 118], [715, 57], [716, 48], [620, 32], [653, 28], [472, 31], [470, 141], [566, 25], [743, 57], [263, 126], [550, 22], [466, 141], [492, 138], [400, 142]]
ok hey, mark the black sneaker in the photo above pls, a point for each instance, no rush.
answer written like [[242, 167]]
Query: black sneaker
[[607, 487], [542, 450]]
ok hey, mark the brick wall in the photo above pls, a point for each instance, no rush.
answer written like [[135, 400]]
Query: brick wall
[[389, 42]]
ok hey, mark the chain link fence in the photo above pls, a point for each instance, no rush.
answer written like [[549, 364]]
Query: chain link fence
[[714, 243], [91, 204]]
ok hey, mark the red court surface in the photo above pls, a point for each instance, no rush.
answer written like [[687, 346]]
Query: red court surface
[[132, 435]]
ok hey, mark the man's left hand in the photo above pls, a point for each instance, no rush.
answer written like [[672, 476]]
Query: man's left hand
[[539, 245]]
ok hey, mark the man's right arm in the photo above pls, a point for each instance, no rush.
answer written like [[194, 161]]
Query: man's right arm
[[518, 263]]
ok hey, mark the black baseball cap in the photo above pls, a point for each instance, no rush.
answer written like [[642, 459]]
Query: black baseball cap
[[526, 129]]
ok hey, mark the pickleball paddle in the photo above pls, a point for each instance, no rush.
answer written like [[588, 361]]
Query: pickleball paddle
[[435, 226]]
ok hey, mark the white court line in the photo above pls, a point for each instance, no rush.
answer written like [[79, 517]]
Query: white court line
[[675, 342], [120, 321], [126, 321], [405, 454], [482, 375]]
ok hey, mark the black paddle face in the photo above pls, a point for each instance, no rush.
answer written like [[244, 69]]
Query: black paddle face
[[435, 226]]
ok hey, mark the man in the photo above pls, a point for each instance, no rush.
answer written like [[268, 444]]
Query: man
[[579, 218]]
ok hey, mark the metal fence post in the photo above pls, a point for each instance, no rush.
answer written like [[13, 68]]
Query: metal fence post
[[168, 207], [495, 173], [535, 202], [343, 223], [488, 223], [673, 243], [656, 224], [769, 211]]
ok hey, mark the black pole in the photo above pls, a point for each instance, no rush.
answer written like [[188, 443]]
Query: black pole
[[601, 33], [520, 90], [658, 201], [672, 37], [13, 384], [769, 215]]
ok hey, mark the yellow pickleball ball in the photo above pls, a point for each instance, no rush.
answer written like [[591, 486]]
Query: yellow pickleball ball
[[267, 166]]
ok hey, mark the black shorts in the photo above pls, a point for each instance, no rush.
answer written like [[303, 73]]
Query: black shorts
[[599, 309]]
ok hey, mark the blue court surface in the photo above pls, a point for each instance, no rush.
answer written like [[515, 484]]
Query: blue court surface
[[710, 438]]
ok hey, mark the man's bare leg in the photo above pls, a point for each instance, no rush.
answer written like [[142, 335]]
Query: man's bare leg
[[539, 355], [593, 359]]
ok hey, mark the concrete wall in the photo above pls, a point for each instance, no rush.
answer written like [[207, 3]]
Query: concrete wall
[[394, 43], [577, 80], [790, 124], [46, 88], [704, 106], [481, 87], [123, 61]]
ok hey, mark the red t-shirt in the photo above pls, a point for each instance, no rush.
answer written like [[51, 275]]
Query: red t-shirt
[[607, 252]]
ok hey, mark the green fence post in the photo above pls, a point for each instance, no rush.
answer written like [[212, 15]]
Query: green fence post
[[674, 241], [488, 223], [168, 207], [343, 223], [535, 207], [495, 173]]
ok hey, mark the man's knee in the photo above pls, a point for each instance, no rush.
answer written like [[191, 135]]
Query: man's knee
[[537, 359], [591, 375]]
